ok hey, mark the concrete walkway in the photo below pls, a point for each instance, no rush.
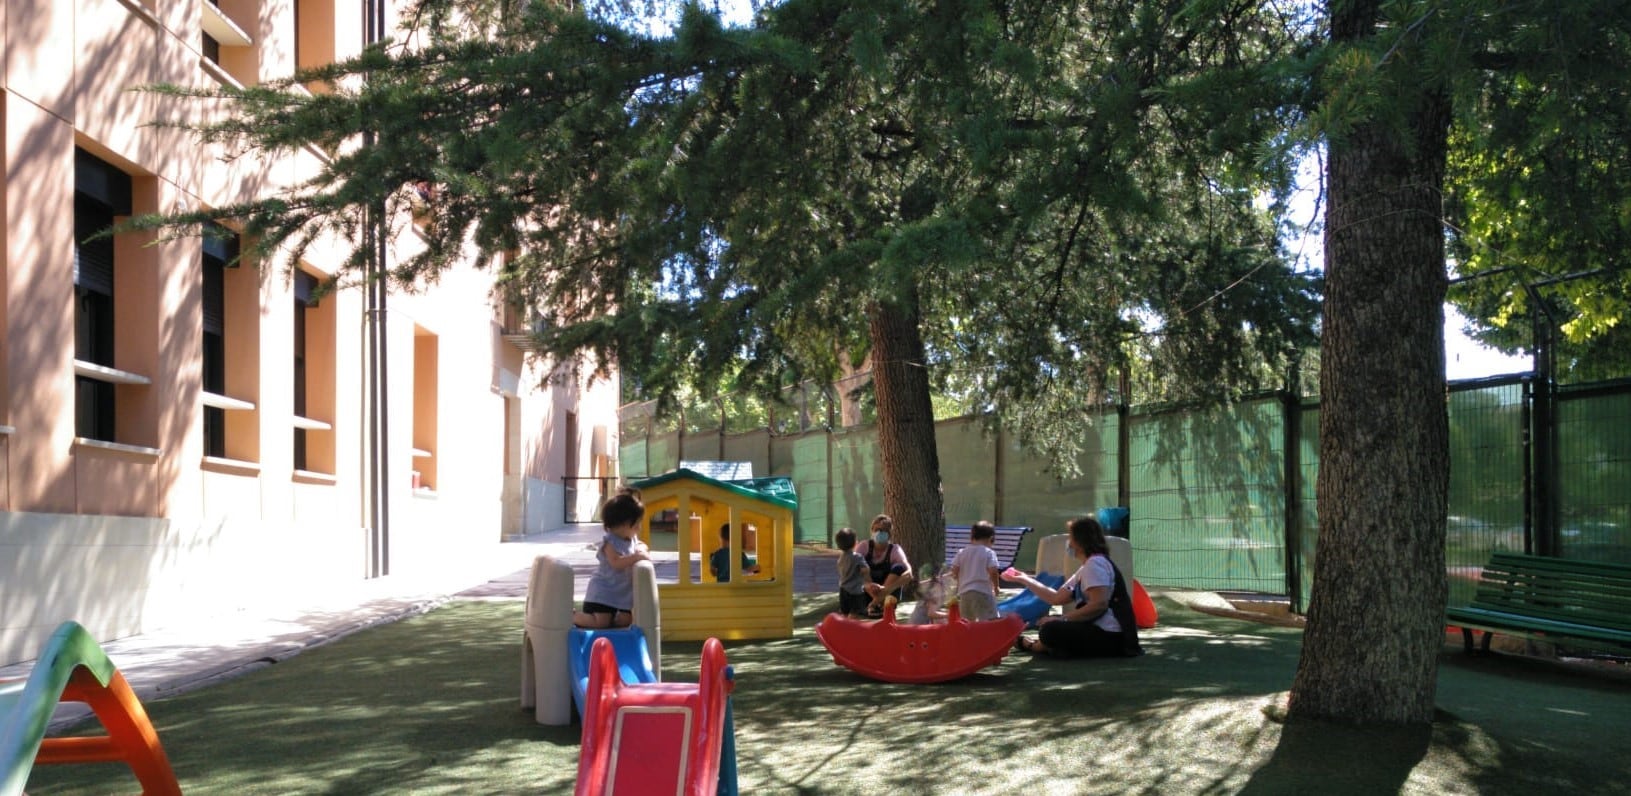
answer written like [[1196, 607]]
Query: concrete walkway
[[177, 659]]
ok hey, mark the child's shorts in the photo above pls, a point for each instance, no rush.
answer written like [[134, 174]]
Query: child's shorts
[[977, 606], [601, 608], [852, 604]]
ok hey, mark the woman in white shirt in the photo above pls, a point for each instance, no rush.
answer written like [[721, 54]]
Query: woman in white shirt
[[1098, 615]]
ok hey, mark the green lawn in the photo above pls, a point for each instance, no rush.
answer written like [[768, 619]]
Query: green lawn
[[430, 705]]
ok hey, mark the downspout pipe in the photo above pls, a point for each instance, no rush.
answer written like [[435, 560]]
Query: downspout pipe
[[379, 507]]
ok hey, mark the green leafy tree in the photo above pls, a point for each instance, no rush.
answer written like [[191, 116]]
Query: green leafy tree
[[1539, 187], [1020, 188]]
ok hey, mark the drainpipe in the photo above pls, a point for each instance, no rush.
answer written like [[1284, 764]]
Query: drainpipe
[[379, 506]]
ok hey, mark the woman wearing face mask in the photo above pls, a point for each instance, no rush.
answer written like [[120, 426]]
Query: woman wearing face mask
[[1098, 615], [887, 566]]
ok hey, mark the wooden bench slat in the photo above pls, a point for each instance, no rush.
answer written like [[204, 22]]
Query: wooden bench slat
[[1498, 579], [1523, 621]]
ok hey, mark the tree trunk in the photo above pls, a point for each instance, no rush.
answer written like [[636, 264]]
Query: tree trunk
[[911, 463], [1376, 615]]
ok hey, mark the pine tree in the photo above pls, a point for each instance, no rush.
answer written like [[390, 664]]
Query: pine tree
[[1029, 192]]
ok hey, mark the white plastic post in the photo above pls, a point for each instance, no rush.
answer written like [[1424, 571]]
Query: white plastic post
[[546, 669], [1121, 552], [1053, 555], [648, 615]]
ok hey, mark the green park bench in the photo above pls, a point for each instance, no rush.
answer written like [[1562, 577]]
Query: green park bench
[[1575, 603]]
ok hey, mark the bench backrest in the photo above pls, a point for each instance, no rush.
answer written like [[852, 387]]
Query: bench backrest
[[1583, 592], [1006, 544]]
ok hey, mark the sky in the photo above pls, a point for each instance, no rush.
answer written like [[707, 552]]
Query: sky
[[1467, 359]]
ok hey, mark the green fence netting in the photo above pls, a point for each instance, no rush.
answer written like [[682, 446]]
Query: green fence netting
[[1034, 494], [857, 479], [1486, 499], [1208, 498], [1207, 488], [1594, 473], [804, 458]]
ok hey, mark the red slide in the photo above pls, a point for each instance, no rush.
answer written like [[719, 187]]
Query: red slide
[[653, 737], [896, 653]]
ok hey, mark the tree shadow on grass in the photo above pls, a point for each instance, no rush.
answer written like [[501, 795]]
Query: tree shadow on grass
[[1340, 758]]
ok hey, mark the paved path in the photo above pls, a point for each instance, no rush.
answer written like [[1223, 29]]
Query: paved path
[[176, 659]]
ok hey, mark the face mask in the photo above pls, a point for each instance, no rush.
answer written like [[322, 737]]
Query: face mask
[[881, 537]]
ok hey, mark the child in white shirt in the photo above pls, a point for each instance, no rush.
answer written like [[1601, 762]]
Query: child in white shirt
[[978, 576]]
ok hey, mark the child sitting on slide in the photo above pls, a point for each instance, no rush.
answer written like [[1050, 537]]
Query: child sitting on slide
[[609, 600]]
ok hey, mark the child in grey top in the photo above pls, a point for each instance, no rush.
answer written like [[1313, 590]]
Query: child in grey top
[[609, 599], [852, 575]]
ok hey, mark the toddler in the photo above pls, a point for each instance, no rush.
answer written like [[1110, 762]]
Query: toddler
[[609, 600]]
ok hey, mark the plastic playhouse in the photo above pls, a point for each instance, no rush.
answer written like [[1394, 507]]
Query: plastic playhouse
[[752, 604]]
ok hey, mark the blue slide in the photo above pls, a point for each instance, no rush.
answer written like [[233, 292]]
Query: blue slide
[[633, 658], [1029, 606]]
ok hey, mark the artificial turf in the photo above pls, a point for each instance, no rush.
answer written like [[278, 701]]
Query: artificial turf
[[430, 705]]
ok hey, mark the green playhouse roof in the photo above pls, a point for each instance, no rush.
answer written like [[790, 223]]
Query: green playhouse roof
[[777, 489]]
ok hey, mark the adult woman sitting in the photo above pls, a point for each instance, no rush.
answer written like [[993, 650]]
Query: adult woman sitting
[[887, 567], [1098, 614]]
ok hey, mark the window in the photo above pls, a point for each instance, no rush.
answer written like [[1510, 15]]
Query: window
[[425, 367], [304, 284], [230, 350], [224, 42], [314, 38], [313, 377], [101, 193]]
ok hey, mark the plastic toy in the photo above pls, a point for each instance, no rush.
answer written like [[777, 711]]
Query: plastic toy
[[1032, 608], [74, 668], [547, 682], [628, 646], [896, 653], [1144, 614], [657, 737], [1028, 606], [931, 605], [760, 513]]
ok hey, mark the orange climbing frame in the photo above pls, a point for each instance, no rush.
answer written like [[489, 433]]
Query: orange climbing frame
[[73, 668]]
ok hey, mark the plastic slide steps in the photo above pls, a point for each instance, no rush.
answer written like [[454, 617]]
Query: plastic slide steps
[[73, 668]]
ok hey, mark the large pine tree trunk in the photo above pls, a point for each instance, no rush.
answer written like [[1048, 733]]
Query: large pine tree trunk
[[911, 463], [1375, 619]]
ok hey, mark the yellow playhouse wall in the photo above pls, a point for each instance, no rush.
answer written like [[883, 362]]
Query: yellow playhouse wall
[[713, 507], [727, 611], [750, 606]]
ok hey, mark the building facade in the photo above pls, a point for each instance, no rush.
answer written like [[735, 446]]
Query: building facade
[[182, 436]]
